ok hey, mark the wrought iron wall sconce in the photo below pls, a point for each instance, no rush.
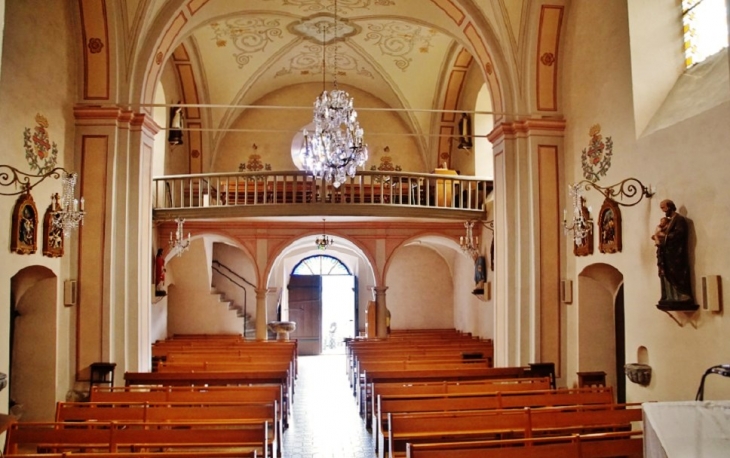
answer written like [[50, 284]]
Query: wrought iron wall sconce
[[70, 213], [630, 188], [627, 193]]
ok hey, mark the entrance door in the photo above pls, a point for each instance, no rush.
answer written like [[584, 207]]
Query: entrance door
[[305, 309]]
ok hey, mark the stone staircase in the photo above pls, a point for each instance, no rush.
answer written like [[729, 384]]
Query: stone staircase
[[250, 325]]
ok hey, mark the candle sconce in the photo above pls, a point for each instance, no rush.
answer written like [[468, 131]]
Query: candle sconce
[[70, 211], [627, 193]]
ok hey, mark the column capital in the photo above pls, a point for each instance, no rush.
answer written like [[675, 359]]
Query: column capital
[[114, 116], [527, 128]]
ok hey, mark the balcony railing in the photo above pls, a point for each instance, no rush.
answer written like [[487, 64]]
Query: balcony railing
[[298, 193]]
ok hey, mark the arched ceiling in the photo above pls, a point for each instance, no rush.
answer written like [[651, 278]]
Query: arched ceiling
[[402, 52]]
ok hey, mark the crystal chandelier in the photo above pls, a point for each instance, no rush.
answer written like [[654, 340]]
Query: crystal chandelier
[[335, 149], [179, 243], [324, 242], [469, 244], [70, 213], [582, 225]]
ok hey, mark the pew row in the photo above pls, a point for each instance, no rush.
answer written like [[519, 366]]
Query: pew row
[[454, 402], [426, 374], [529, 422], [629, 444], [54, 437], [200, 454], [206, 394], [146, 412]]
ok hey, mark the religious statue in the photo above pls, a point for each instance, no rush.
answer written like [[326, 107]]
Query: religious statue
[[160, 274], [670, 238], [175, 133]]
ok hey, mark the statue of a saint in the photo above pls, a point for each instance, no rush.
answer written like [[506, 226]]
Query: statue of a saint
[[671, 239]]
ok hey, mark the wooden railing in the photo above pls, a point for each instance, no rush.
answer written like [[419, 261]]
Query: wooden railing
[[292, 192]]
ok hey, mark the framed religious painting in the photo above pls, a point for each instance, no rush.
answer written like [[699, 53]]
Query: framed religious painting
[[609, 227], [52, 233], [24, 238], [584, 248]]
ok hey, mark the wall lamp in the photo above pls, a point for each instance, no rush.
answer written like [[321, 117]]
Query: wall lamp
[[721, 369], [627, 193], [69, 211]]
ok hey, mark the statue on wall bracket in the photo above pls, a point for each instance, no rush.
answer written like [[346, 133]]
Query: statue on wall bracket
[[672, 249]]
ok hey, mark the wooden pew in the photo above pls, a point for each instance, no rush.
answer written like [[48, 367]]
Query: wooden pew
[[249, 393], [509, 423], [627, 444], [199, 454], [133, 436], [462, 386], [146, 412], [454, 402], [432, 374]]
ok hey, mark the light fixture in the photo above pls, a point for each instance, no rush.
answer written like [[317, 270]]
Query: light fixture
[[582, 225], [335, 148], [630, 188], [468, 243], [721, 369], [71, 213], [179, 242], [324, 242]]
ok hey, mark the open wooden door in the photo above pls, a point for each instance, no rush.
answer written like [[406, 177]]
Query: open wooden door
[[305, 309]]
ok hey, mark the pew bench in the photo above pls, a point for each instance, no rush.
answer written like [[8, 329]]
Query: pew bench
[[454, 402], [414, 428], [146, 412], [198, 454], [54, 437], [624, 444], [161, 394]]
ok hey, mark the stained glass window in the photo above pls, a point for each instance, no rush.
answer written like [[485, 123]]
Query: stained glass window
[[705, 29], [320, 265]]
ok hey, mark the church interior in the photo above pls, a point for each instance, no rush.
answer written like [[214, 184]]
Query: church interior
[[540, 177]]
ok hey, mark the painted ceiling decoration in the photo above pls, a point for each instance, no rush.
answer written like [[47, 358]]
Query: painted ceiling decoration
[[323, 29], [398, 39], [248, 35], [343, 6], [309, 62]]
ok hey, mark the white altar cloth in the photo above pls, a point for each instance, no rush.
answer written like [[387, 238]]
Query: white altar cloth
[[692, 429]]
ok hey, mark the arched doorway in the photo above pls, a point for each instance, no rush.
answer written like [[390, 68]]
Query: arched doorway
[[33, 331], [322, 301], [601, 329]]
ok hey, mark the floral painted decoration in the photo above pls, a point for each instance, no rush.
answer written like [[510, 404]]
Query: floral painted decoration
[[596, 159]]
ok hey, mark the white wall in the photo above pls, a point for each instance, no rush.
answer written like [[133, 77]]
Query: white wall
[[683, 161]]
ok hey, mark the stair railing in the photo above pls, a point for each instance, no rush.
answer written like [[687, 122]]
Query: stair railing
[[229, 271]]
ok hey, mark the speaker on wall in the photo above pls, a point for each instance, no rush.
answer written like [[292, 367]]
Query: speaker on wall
[[711, 293], [69, 293]]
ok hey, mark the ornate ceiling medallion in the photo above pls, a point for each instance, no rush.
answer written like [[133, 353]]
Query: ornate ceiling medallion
[[322, 29]]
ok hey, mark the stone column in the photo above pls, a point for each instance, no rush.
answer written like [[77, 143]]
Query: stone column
[[527, 241], [261, 318]]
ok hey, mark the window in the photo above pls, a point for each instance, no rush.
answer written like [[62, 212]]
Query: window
[[320, 265], [705, 29]]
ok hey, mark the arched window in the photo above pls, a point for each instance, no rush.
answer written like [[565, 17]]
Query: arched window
[[320, 265], [705, 29]]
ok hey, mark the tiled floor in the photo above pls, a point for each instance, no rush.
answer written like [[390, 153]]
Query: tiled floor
[[325, 422]]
